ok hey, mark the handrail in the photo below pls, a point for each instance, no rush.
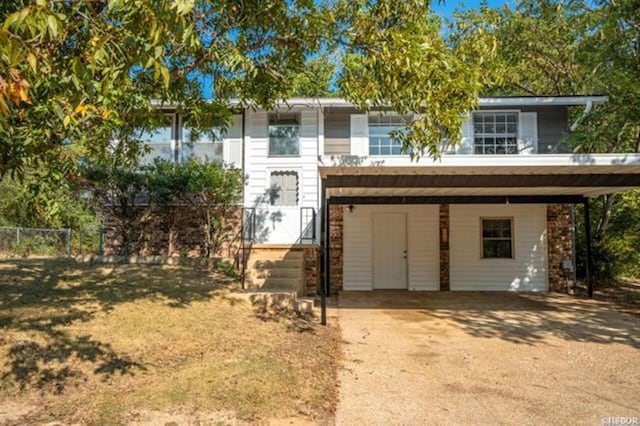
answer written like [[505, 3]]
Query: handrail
[[248, 234], [307, 224]]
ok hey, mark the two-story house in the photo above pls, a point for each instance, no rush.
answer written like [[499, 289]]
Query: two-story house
[[328, 193]]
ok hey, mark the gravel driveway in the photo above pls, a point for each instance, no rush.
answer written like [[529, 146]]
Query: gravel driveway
[[451, 358]]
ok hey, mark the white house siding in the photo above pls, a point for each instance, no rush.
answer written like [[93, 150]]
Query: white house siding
[[275, 224], [422, 246], [527, 271]]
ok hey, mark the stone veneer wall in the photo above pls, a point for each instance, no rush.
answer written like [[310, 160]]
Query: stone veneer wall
[[336, 217], [152, 235], [560, 246], [444, 247], [311, 255]]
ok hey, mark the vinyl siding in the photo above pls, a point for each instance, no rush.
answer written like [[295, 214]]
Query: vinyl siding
[[337, 131], [527, 271], [552, 127], [422, 246], [279, 224]]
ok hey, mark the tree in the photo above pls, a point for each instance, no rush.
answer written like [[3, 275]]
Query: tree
[[213, 193], [316, 80], [396, 57], [575, 48], [39, 202], [117, 189], [75, 74]]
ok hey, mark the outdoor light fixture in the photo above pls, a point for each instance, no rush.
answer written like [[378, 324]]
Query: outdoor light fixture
[[350, 208]]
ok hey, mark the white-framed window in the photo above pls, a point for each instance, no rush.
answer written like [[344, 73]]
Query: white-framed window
[[160, 139], [283, 188], [497, 237], [380, 128], [284, 135], [203, 145], [495, 132]]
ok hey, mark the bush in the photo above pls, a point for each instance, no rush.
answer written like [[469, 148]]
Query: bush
[[37, 245], [229, 270], [208, 189]]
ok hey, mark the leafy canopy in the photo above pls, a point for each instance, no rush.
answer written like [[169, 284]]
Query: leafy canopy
[[73, 75], [574, 48]]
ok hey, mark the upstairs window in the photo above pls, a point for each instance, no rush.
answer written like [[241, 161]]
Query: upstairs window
[[495, 132], [284, 135], [380, 128], [163, 134], [203, 145], [497, 238], [160, 140], [283, 188]]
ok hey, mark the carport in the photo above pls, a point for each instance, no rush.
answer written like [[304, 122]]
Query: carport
[[467, 180]]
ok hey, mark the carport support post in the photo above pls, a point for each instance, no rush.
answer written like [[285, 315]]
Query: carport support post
[[324, 241], [587, 235]]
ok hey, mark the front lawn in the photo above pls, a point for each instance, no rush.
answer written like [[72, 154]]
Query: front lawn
[[84, 343]]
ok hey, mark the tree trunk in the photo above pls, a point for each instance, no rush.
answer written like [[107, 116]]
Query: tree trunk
[[207, 218], [603, 223]]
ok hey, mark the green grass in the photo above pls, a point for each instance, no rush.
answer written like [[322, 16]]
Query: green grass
[[97, 344]]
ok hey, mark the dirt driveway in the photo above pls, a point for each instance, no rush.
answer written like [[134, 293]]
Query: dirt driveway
[[451, 358]]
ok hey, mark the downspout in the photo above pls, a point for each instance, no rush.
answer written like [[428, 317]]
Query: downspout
[[587, 110]]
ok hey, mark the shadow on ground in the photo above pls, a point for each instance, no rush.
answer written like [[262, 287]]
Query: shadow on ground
[[40, 298], [518, 318]]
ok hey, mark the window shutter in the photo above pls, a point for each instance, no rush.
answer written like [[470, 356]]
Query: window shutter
[[466, 142], [528, 133], [232, 143], [291, 189], [360, 134], [284, 187]]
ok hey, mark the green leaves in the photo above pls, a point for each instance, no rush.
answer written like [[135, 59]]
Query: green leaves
[[397, 58], [52, 22], [183, 6], [16, 18], [120, 55]]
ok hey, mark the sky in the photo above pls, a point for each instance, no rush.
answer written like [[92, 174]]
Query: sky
[[446, 8]]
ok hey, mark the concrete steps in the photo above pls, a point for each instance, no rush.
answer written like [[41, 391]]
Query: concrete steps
[[279, 300], [278, 268]]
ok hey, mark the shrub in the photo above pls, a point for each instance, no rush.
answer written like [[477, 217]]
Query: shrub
[[36, 245]]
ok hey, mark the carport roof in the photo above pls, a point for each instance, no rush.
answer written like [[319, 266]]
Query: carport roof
[[469, 175]]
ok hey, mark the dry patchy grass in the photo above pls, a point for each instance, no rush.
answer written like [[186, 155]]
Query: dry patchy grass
[[113, 343]]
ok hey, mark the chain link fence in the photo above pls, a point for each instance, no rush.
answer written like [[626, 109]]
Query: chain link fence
[[27, 242]]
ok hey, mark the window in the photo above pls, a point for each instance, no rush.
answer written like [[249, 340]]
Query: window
[[205, 145], [380, 128], [495, 132], [163, 134], [283, 190], [159, 140], [497, 238], [284, 135]]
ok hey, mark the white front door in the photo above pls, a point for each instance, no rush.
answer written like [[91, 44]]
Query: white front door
[[389, 251]]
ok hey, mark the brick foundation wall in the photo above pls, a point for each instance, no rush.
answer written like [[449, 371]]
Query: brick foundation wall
[[336, 217], [560, 246], [152, 237], [444, 247], [311, 256]]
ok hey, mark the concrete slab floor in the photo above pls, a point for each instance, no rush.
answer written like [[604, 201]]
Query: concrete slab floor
[[485, 358]]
